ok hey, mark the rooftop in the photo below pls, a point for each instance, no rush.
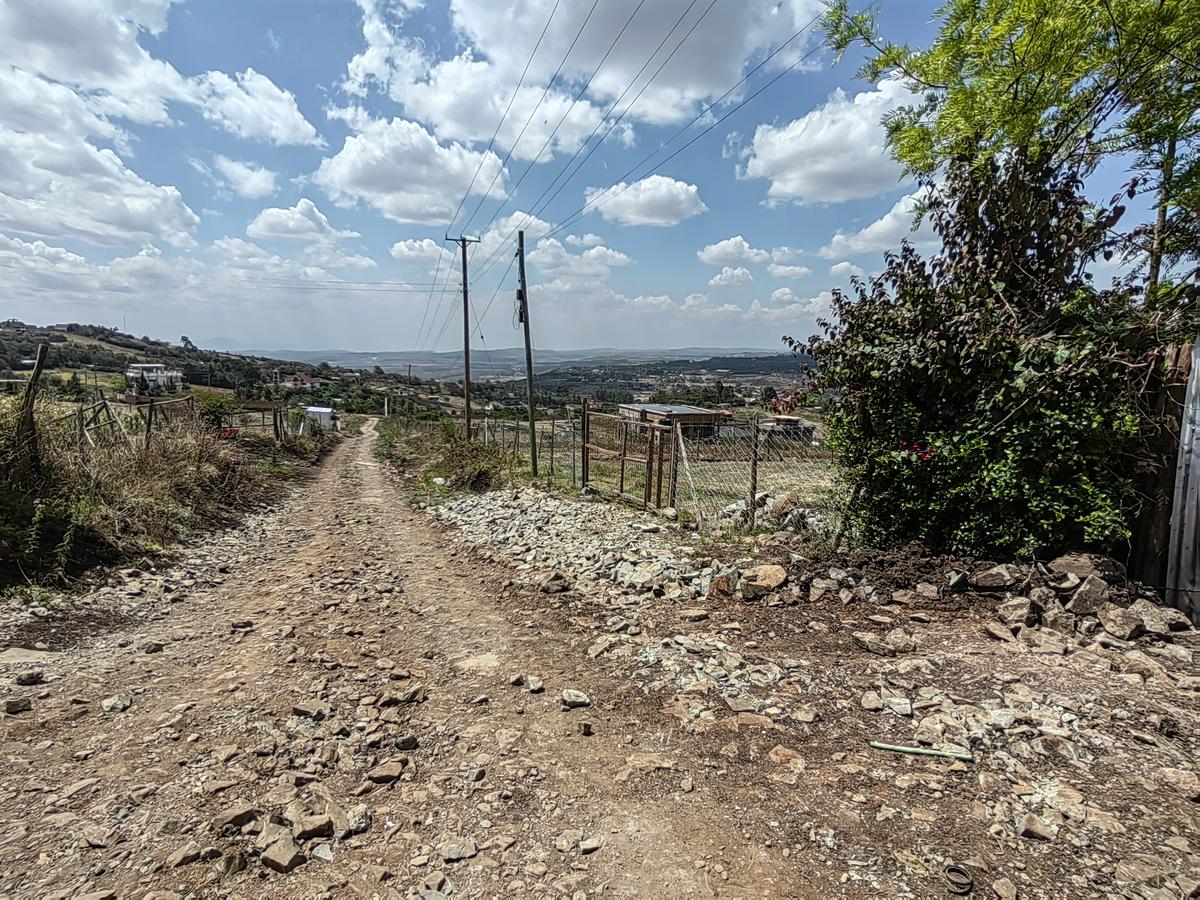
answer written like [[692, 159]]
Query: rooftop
[[666, 409]]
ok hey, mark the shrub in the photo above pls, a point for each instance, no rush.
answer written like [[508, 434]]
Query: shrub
[[992, 399]]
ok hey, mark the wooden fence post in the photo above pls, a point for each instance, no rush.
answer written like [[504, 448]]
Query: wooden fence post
[[674, 458], [27, 449], [149, 425], [753, 508], [658, 479], [553, 426], [648, 482]]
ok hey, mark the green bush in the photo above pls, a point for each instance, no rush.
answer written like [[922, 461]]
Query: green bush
[[991, 400]]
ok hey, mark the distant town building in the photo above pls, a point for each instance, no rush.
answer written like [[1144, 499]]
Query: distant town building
[[155, 375], [300, 380]]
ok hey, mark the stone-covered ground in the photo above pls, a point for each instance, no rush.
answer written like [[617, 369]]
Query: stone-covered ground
[[516, 695]]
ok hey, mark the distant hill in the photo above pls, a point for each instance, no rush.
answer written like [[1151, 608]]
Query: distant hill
[[501, 363]]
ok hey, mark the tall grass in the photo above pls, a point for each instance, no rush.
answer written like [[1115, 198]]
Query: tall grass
[[70, 505]]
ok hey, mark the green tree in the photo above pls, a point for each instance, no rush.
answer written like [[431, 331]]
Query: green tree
[[1068, 81], [991, 400]]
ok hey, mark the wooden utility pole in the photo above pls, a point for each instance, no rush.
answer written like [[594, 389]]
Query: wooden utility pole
[[523, 313], [462, 243]]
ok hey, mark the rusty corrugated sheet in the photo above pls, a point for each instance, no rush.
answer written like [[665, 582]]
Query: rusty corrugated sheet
[[1183, 566]]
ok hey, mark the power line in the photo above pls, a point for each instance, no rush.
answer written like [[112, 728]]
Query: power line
[[529, 119], [575, 216], [536, 209], [504, 115], [533, 162]]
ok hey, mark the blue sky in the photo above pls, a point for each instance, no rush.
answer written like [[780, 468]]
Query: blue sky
[[283, 173]]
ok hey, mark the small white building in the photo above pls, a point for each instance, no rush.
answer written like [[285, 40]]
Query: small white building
[[322, 416], [156, 375]]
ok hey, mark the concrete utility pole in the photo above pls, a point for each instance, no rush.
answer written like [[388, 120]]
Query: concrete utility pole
[[523, 314], [462, 242]]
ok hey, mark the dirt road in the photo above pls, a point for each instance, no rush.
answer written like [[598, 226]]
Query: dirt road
[[347, 698], [339, 689]]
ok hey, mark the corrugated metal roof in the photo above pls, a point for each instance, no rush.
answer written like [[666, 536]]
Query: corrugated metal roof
[[665, 409]]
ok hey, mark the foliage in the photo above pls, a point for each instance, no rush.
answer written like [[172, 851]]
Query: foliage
[[215, 410], [989, 400], [1069, 81]]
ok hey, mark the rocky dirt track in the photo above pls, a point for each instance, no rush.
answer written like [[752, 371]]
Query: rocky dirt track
[[349, 698]]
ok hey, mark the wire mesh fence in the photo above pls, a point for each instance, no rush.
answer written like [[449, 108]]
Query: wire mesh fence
[[707, 475], [789, 476]]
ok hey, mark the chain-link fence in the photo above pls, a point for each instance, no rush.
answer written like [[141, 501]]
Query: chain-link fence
[[708, 475], [789, 475]]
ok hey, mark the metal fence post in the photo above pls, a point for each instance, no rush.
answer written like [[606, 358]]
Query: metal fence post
[[583, 455], [753, 508]]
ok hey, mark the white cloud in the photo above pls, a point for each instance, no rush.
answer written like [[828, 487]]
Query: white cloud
[[698, 305], [781, 271], [253, 106], [713, 57], [834, 153], [584, 240], [732, 251], [302, 222], [885, 233], [420, 252], [246, 179], [401, 170], [62, 187], [462, 100], [794, 308], [731, 275], [656, 200], [330, 257], [785, 254], [553, 259], [846, 269]]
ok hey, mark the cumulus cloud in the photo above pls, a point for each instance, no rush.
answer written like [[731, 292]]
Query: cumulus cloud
[[553, 259], [584, 240], [246, 179], [656, 200], [400, 169], [791, 308], [885, 233], [302, 222], [731, 275], [251, 105], [732, 251], [58, 186], [846, 269], [779, 270], [834, 153]]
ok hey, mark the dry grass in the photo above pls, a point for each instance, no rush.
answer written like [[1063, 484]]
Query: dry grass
[[71, 505]]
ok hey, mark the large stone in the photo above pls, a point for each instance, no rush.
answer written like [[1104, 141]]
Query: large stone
[[1030, 826], [555, 583], [997, 578], [1085, 565], [1089, 596], [283, 855], [313, 827], [389, 771], [1157, 619], [786, 757], [1182, 781], [458, 849], [235, 816], [762, 580], [1120, 623], [872, 643], [573, 699], [1019, 611]]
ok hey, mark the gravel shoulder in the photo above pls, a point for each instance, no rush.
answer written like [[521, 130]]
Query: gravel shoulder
[[519, 695]]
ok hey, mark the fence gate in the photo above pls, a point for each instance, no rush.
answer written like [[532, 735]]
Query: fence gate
[[629, 459]]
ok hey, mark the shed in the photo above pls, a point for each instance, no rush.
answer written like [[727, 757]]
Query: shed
[[322, 415], [693, 421]]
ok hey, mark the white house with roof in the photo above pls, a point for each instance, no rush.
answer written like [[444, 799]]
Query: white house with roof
[[156, 375]]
